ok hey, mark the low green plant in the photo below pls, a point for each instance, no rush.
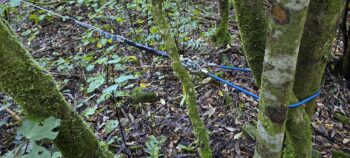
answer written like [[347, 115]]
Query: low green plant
[[31, 135], [154, 145]]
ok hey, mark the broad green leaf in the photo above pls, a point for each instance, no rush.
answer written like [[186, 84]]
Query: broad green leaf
[[111, 125], [37, 130], [102, 98], [124, 78], [95, 83], [111, 88], [154, 29], [106, 93], [15, 3], [89, 111], [154, 145]]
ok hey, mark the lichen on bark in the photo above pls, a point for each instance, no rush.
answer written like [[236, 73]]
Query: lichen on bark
[[199, 129], [222, 34], [34, 89], [285, 25]]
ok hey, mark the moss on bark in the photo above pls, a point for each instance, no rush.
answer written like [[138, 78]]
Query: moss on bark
[[251, 18], [199, 129], [34, 89], [298, 142], [318, 36], [285, 25], [298, 131], [222, 34]]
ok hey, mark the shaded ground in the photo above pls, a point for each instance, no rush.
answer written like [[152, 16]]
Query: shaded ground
[[56, 39]]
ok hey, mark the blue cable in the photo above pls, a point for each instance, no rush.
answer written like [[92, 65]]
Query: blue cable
[[256, 97], [232, 68], [318, 93]]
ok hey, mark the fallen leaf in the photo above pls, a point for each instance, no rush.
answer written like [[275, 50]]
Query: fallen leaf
[[162, 101], [206, 80], [210, 111], [237, 136], [143, 85], [230, 129]]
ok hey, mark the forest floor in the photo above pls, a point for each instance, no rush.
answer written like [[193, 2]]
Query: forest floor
[[167, 118]]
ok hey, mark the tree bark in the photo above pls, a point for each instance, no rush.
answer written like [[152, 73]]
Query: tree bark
[[252, 25], [199, 129], [314, 52], [285, 25], [34, 89], [318, 36], [251, 19], [222, 34], [345, 63], [298, 124]]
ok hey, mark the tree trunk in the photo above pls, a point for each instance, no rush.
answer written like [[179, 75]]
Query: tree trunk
[[222, 34], [34, 89], [318, 36], [285, 25], [251, 19], [298, 125], [252, 24], [199, 129], [345, 63]]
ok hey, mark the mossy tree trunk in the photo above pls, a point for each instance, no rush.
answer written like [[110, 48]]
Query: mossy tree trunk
[[318, 36], [199, 129], [320, 23], [34, 89], [345, 63], [317, 39], [285, 24], [222, 34], [251, 18]]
